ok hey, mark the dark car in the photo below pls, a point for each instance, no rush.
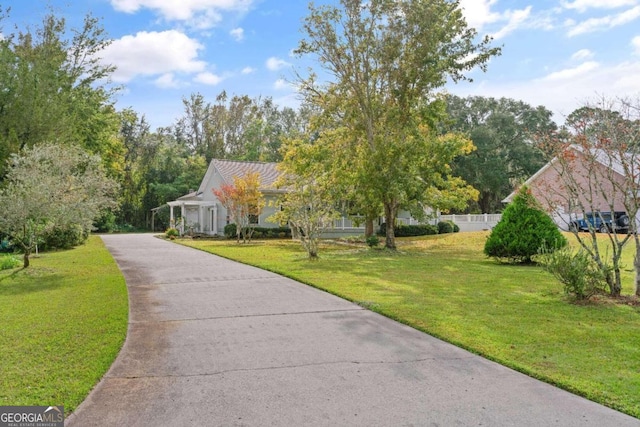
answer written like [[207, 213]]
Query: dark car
[[603, 222]]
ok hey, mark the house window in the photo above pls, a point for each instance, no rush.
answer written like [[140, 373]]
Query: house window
[[254, 219]]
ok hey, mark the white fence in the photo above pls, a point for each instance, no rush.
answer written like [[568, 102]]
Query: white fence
[[468, 222], [473, 222]]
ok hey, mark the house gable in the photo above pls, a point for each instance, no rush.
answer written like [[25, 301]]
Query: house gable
[[547, 184]]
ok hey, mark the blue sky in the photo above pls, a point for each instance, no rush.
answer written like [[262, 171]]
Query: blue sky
[[556, 53]]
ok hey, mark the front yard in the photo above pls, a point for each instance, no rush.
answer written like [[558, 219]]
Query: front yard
[[62, 321], [445, 286]]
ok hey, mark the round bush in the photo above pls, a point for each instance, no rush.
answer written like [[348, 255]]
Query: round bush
[[230, 231], [445, 227], [171, 233], [63, 237], [523, 230], [373, 241]]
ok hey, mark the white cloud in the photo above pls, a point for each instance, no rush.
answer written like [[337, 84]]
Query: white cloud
[[152, 53], [248, 70], [281, 84], [584, 5], [516, 19], [606, 22], [275, 64], [209, 79], [582, 54], [478, 13], [167, 81], [201, 14], [635, 42], [572, 73], [562, 93], [237, 34]]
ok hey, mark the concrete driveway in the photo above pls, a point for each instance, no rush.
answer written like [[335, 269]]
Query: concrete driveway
[[215, 343]]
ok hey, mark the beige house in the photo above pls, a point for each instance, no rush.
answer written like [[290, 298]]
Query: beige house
[[584, 179]]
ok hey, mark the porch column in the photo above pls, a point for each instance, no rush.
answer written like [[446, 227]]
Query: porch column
[[200, 224], [214, 228], [183, 212], [172, 220]]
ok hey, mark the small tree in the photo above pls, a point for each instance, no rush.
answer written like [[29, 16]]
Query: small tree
[[523, 230], [596, 161], [244, 202], [52, 186], [309, 204]]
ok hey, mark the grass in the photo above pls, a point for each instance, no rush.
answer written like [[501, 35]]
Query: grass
[[445, 286], [62, 321]]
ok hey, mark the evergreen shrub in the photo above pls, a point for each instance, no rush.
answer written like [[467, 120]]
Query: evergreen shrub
[[523, 231]]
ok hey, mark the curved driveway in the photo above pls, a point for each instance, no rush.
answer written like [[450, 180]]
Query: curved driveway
[[215, 343]]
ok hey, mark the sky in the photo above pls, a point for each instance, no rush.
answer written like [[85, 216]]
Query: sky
[[557, 53]]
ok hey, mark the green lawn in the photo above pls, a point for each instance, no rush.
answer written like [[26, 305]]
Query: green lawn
[[444, 285], [62, 321]]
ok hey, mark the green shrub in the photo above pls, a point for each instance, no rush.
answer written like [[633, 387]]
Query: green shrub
[[172, 233], [230, 231], [7, 262], [373, 241], [445, 227], [63, 237], [106, 223], [456, 227], [259, 232], [410, 230], [577, 271], [523, 230]]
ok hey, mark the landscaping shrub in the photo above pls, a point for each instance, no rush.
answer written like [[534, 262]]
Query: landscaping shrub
[[230, 231], [445, 227], [523, 230], [456, 227], [410, 230], [7, 262], [259, 232], [171, 233], [580, 275], [373, 241], [63, 237]]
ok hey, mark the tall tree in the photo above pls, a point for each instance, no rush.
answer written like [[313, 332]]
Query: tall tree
[[61, 86], [502, 131], [386, 59]]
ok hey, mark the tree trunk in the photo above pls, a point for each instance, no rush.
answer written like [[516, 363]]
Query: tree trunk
[[25, 259], [390, 213], [616, 289], [368, 228], [636, 265]]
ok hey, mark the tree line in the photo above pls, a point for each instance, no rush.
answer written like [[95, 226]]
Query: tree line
[[381, 135]]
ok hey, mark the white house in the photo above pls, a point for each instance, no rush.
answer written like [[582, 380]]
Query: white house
[[201, 211]]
